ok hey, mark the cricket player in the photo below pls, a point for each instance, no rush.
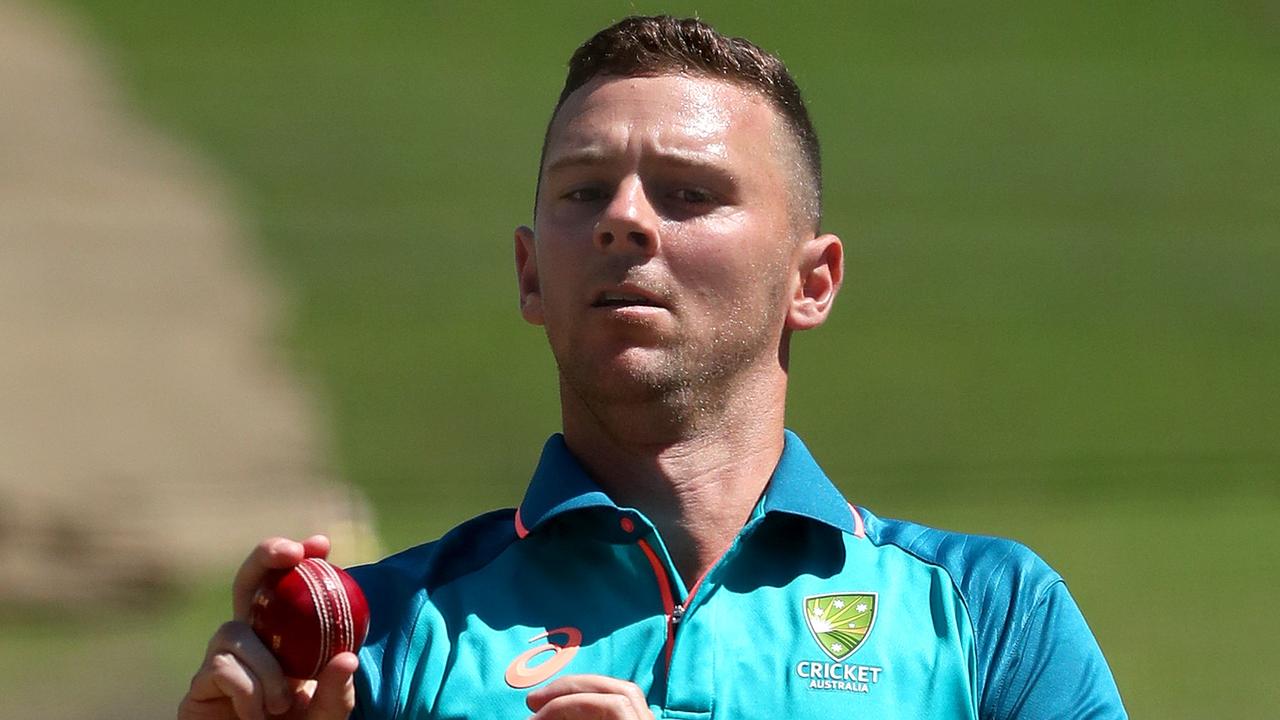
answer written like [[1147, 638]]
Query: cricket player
[[678, 552]]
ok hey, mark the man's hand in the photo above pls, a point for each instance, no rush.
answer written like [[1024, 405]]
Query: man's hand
[[589, 697], [240, 680]]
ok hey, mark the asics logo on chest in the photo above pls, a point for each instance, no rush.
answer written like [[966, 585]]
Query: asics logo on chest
[[519, 675]]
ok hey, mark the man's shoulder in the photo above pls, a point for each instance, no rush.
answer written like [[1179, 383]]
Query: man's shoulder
[[1008, 591], [984, 568], [1035, 654], [459, 552], [1002, 583]]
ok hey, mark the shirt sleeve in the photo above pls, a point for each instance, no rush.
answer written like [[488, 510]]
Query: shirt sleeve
[[374, 681], [1055, 669]]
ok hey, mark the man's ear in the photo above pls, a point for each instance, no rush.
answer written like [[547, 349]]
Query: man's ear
[[817, 280], [527, 276]]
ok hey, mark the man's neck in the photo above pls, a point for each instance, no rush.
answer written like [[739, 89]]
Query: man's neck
[[697, 481]]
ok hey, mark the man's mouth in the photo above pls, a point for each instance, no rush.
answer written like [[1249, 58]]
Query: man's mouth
[[623, 300], [626, 297]]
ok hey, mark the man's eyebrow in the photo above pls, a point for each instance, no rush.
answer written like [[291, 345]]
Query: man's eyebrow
[[711, 158], [577, 158]]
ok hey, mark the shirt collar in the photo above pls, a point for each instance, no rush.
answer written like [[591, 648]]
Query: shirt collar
[[560, 484], [798, 487]]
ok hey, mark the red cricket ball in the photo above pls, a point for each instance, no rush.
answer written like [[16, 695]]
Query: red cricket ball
[[308, 614]]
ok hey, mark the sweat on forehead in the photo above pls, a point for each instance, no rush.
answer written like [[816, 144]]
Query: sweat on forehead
[[697, 110], [672, 122]]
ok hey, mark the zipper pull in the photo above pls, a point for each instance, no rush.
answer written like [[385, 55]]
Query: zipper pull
[[677, 613]]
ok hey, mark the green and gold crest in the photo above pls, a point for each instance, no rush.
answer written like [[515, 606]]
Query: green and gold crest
[[840, 622]]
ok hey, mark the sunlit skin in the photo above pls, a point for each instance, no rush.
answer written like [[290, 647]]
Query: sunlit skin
[[646, 193], [669, 269]]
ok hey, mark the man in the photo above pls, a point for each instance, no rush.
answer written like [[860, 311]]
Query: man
[[678, 553]]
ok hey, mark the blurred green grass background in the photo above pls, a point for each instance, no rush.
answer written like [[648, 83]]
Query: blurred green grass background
[[1060, 324]]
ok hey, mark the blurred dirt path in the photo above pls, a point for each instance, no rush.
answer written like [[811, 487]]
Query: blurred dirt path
[[148, 428]]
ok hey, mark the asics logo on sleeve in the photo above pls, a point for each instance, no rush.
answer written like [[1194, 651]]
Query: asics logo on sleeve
[[520, 675]]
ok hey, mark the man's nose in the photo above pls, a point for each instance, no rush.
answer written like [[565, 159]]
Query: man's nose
[[629, 222]]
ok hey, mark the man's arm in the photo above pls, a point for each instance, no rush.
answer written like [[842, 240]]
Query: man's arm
[[1056, 669]]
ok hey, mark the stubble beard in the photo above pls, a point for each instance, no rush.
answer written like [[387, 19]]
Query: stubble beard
[[686, 386]]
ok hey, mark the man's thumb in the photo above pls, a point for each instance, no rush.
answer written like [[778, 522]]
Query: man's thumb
[[335, 694]]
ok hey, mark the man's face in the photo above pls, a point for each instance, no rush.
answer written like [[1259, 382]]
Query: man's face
[[662, 257]]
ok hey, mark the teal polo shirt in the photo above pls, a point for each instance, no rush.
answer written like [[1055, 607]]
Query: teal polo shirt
[[819, 609]]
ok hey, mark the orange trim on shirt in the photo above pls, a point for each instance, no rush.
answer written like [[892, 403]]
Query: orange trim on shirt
[[521, 530], [664, 588], [859, 530]]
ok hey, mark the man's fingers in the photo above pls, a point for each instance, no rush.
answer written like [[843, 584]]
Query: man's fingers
[[591, 706], [588, 696], [237, 640], [335, 691], [275, 553], [270, 554], [573, 684], [223, 678], [316, 546]]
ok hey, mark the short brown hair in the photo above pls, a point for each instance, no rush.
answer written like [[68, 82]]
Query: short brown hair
[[641, 46]]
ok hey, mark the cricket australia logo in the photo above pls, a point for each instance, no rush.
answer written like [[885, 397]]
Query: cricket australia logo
[[840, 623]]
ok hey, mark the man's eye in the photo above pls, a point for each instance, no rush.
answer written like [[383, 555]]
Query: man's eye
[[584, 195], [693, 196]]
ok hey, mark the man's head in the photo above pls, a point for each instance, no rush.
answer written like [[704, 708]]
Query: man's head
[[662, 45], [668, 262]]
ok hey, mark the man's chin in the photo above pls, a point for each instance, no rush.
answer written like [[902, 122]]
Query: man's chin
[[632, 377]]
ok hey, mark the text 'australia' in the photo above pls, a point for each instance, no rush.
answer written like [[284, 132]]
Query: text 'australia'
[[838, 676]]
